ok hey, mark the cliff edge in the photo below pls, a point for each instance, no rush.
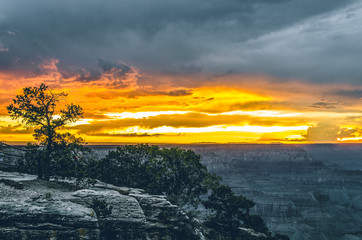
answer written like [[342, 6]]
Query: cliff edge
[[35, 209]]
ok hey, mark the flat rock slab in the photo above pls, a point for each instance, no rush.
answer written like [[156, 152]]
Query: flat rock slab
[[54, 210]]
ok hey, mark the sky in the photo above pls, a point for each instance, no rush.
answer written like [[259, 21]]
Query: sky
[[191, 71]]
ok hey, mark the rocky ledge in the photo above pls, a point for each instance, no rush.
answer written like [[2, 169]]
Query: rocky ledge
[[35, 209]]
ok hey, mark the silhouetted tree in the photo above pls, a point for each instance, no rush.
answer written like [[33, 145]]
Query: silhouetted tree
[[38, 107]]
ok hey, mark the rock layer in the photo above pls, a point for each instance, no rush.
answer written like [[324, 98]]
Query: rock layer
[[53, 210]]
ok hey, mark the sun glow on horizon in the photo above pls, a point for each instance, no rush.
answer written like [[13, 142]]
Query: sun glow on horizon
[[350, 139], [138, 115], [212, 129], [212, 112]]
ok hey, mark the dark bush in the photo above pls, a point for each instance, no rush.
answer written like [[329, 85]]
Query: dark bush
[[101, 208], [67, 160]]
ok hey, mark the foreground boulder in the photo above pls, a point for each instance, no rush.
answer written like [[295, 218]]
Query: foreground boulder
[[34, 209], [59, 210]]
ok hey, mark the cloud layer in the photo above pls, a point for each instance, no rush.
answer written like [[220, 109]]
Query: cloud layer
[[318, 41]]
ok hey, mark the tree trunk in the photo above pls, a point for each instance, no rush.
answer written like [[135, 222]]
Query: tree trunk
[[46, 164], [40, 167], [46, 168]]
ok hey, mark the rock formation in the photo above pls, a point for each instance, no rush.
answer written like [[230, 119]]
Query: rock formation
[[34, 209]]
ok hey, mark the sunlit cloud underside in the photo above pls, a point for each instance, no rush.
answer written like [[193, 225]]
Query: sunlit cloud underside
[[228, 109]]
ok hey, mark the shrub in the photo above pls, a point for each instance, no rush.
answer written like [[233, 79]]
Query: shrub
[[67, 160], [178, 173]]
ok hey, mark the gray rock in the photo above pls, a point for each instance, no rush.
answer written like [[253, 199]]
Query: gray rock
[[44, 219], [47, 210]]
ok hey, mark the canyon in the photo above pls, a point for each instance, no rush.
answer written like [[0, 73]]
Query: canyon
[[309, 192]]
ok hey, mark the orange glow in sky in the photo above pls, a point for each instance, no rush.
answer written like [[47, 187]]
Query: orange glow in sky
[[237, 109]]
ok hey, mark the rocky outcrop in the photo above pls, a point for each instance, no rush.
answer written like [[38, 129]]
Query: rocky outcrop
[[58, 210]]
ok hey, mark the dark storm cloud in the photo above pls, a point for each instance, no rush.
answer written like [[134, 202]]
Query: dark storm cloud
[[324, 105], [187, 36], [108, 66], [139, 93], [179, 92], [259, 105], [184, 69], [116, 72], [355, 94]]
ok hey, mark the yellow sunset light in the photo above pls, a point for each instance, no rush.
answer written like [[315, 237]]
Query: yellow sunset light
[[221, 128], [138, 115]]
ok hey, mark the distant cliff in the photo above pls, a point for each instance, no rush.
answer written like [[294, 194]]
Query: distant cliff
[[308, 192]]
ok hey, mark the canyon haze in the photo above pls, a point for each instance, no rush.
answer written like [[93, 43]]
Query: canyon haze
[[307, 191]]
